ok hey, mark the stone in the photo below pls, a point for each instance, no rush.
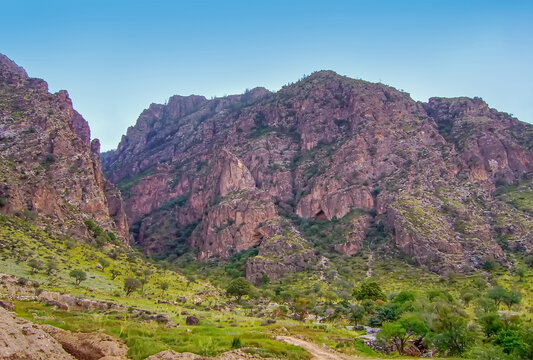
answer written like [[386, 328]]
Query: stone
[[21, 339], [192, 320]]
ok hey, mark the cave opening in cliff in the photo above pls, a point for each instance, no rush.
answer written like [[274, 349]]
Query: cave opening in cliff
[[321, 216]]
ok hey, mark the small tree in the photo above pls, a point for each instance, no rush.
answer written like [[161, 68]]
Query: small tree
[[78, 275], [512, 297], [468, 295], [301, 307], [498, 294], [163, 285], [114, 273], [356, 314], [401, 331], [130, 285], [51, 266], [104, 262], [143, 282], [520, 272], [239, 287], [35, 265], [369, 290]]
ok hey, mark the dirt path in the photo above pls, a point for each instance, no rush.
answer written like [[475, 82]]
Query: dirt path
[[318, 352], [322, 352]]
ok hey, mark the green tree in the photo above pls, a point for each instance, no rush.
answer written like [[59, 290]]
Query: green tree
[[512, 297], [36, 265], [130, 285], [51, 267], [450, 327], [115, 273], [239, 287], [78, 276], [497, 294], [357, 313], [468, 295], [164, 285], [301, 307], [491, 324], [401, 331], [104, 262], [520, 272], [369, 290]]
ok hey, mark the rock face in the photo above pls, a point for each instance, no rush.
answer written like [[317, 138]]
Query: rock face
[[21, 339], [50, 168], [224, 175], [88, 346]]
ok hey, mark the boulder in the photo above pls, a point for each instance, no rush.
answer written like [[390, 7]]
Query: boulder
[[192, 320]]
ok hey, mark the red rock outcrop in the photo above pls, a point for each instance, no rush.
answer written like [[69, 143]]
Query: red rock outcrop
[[319, 150], [50, 169]]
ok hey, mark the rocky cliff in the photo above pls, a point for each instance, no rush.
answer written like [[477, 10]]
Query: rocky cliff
[[223, 175], [51, 171]]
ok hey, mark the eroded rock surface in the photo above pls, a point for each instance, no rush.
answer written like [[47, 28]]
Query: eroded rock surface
[[23, 340], [214, 175], [50, 169]]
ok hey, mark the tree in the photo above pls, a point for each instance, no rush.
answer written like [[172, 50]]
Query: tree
[[115, 273], [450, 326], [105, 263], [164, 286], [51, 266], [357, 313], [130, 285], [301, 307], [370, 290], [35, 265], [520, 272], [498, 294], [468, 295], [143, 282], [511, 298], [238, 288], [401, 331], [78, 275]]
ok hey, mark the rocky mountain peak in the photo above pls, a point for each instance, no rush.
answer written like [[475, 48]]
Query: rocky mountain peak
[[50, 168]]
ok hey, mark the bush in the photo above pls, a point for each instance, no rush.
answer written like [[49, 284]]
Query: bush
[[236, 343]]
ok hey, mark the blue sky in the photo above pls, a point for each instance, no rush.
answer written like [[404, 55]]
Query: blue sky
[[117, 57]]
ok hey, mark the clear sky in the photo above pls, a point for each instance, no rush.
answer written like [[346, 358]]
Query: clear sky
[[117, 57]]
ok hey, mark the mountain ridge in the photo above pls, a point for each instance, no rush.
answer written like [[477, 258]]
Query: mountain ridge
[[320, 149]]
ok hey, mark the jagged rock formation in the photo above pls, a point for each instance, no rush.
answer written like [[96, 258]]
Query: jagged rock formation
[[50, 168], [231, 173]]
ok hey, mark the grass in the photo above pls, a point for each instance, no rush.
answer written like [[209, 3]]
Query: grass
[[21, 241]]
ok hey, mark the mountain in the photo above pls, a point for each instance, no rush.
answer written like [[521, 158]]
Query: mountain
[[51, 171], [327, 164]]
